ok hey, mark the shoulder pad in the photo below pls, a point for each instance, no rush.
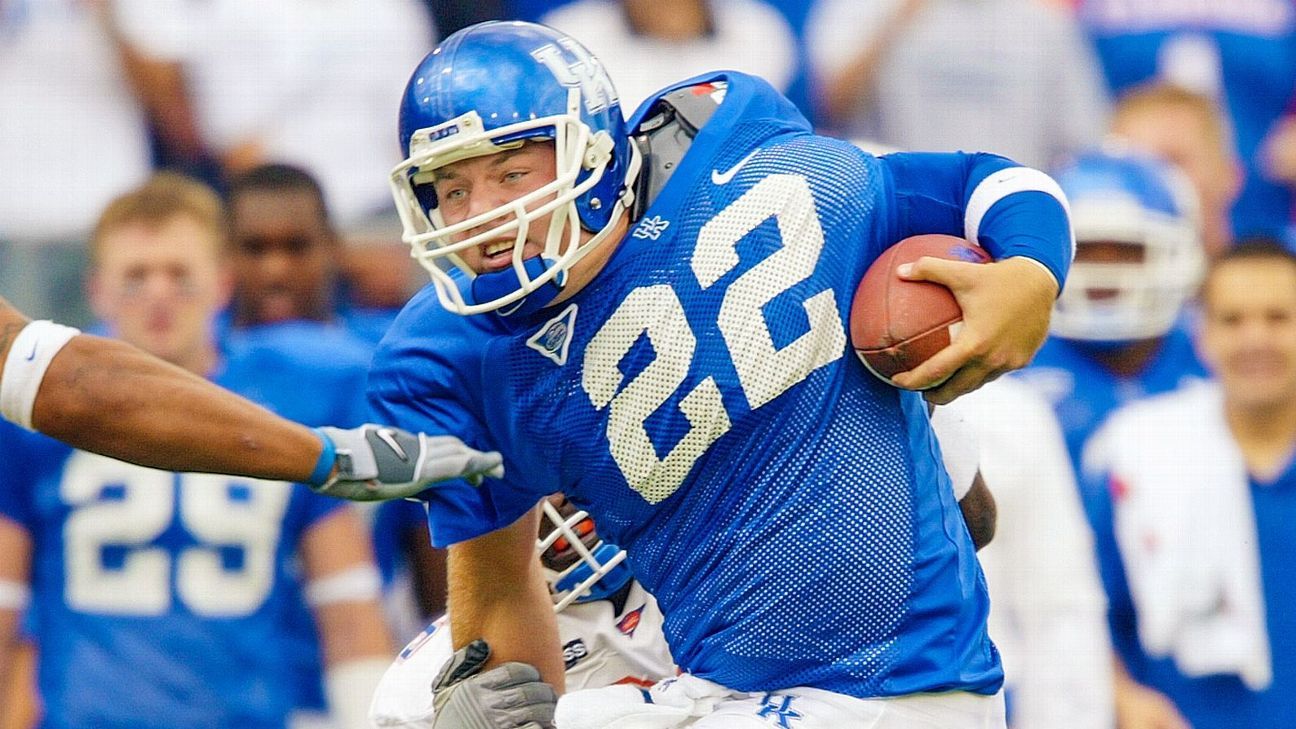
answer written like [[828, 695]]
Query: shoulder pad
[[666, 134]]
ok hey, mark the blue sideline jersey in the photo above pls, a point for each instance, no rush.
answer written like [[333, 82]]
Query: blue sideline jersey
[[1083, 392], [699, 398], [165, 599], [1224, 701], [1244, 48]]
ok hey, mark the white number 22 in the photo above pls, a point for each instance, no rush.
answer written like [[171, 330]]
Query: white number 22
[[208, 509], [765, 371]]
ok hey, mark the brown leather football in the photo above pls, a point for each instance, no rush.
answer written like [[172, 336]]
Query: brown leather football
[[896, 325]]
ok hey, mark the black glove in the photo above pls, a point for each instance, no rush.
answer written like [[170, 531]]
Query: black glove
[[510, 696]]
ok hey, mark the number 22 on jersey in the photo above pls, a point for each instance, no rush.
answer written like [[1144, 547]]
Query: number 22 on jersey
[[764, 370], [121, 510]]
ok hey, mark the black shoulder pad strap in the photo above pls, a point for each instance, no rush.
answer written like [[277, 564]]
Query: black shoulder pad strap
[[665, 136]]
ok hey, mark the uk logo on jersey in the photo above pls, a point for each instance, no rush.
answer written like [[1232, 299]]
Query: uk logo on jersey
[[778, 710]]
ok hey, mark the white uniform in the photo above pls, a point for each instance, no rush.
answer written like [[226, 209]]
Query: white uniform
[[599, 648], [1047, 612]]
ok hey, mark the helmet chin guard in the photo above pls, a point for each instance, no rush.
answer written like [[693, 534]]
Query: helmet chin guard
[[598, 570], [490, 88]]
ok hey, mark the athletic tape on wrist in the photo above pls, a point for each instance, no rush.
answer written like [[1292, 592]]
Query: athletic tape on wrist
[[324, 466], [14, 595], [30, 356], [356, 584]]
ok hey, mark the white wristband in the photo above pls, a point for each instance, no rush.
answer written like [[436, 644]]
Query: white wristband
[[30, 356], [14, 596], [356, 584]]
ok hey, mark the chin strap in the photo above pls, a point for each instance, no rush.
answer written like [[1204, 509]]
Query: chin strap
[[490, 286]]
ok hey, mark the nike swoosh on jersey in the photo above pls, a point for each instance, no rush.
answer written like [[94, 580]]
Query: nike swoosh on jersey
[[722, 178]]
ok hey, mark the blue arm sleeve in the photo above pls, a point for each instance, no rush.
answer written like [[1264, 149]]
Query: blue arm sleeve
[[1017, 212]]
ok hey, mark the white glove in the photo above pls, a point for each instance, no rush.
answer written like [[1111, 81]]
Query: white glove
[[377, 463]]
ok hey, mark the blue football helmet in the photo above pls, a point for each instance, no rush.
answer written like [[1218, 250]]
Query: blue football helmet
[[578, 564], [493, 87], [1139, 254]]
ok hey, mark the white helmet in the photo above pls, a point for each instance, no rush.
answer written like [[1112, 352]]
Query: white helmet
[[1143, 213], [578, 564]]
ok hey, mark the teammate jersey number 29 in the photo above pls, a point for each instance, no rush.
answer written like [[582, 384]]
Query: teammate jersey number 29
[[119, 510], [764, 370]]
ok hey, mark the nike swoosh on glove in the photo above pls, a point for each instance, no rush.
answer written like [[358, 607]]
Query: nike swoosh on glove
[[510, 696], [377, 463]]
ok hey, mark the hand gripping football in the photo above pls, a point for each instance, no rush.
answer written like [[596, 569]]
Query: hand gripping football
[[896, 325]]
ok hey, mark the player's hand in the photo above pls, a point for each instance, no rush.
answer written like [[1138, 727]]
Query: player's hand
[[1139, 707], [1006, 308], [510, 696], [376, 463]]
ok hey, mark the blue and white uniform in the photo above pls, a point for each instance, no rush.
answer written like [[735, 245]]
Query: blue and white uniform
[[705, 373], [166, 599]]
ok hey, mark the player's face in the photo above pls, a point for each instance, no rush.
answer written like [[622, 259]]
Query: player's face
[[159, 287], [1179, 135], [1249, 331], [284, 257], [1107, 252], [478, 185]]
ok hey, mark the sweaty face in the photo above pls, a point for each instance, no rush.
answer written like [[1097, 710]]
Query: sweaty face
[[160, 286], [284, 257], [475, 186], [1249, 331]]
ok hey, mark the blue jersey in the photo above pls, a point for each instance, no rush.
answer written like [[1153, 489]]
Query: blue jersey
[[1248, 46], [787, 509], [163, 599]]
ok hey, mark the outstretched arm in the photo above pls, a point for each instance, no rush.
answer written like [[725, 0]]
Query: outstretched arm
[[108, 397]]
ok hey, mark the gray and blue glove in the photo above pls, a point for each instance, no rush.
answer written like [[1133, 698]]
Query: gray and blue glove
[[510, 696], [377, 463]]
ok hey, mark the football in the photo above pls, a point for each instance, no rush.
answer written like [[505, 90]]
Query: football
[[896, 325]]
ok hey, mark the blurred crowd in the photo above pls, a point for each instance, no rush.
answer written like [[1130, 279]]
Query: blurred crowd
[[1126, 595]]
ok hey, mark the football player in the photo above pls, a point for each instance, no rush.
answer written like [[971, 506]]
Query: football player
[[160, 598], [650, 318], [610, 627], [1118, 330]]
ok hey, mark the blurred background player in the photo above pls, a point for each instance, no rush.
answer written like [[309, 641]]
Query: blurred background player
[[1204, 490], [1047, 608], [1240, 54], [161, 599], [1187, 129], [1014, 77], [1116, 333], [631, 37]]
